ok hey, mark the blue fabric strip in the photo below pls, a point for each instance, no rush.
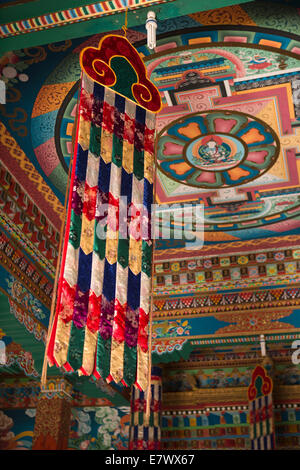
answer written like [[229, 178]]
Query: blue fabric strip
[[109, 280], [84, 271], [133, 292], [81, 163], [104, 176]]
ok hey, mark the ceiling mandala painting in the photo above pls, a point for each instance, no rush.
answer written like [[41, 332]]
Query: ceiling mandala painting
[[229, 130], [215, 150]]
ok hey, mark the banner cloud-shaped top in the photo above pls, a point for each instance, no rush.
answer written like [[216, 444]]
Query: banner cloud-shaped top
[[96, 63]]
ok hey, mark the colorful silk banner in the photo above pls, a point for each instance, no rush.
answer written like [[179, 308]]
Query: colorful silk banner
[[145, 434], [262, 432], [102, 312]]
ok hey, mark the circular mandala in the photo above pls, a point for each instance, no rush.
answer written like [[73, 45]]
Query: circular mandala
[[216, 149]]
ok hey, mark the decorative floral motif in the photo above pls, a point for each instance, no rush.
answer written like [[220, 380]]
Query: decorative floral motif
[[23, 297], [102, 428], [174, 327]]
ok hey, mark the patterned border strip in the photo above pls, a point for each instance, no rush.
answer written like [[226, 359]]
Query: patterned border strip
[[35, 184], [205, 410], [23, 213], [228, 260], [15, 263], [228, 285], [230, 302], [16, 236], [228, 271], [244, 339], [73, 15], [175, 254]]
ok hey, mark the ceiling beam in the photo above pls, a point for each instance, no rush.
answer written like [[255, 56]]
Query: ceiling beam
[[87, 26]]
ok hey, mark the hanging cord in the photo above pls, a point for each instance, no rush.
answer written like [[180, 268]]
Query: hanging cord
[[61, 237], [148, 396], [126, 22]]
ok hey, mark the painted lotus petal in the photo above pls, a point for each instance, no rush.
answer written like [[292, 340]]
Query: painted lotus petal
[[178, 168], [261, 157], [224, 125], [239, 174], [169, 148], [226, 121], [255, 134], [205, 179], [189, 129]]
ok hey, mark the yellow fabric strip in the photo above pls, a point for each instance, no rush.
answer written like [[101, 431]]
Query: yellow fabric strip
[[106, 145], [116, 360], [89, 350], [111, 248], [62, 338], [128, 152], [148, 166], [84, 134], [135, 256], [142, 368], [87, 235], [136, 418], [128, 149]]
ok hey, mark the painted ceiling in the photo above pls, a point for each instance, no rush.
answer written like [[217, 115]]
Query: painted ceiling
[[228, 138]]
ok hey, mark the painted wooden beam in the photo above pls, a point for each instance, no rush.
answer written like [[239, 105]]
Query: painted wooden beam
[[87, 25]]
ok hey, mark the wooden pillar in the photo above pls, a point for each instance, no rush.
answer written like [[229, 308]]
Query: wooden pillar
[[142, 435], [53, 415]]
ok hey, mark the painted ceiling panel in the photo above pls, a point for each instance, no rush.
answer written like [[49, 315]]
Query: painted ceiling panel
[[229, 139]]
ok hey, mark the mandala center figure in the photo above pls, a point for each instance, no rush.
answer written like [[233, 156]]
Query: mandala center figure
[[215, 152]]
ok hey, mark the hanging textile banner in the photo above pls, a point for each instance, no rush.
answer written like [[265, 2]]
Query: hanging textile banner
[[102, 312], [146, 434], [262, 432]]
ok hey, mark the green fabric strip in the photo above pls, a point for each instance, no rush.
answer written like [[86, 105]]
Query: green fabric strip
[[75, 352], [99, 243], [146, 257], [117, 151], [75, 230], [103, 356], [95, 140], [123, 252], [130, 361], [138, 164], [151, 418]]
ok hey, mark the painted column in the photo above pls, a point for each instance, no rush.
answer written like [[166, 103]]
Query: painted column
[[53, 415], [143, 436]]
